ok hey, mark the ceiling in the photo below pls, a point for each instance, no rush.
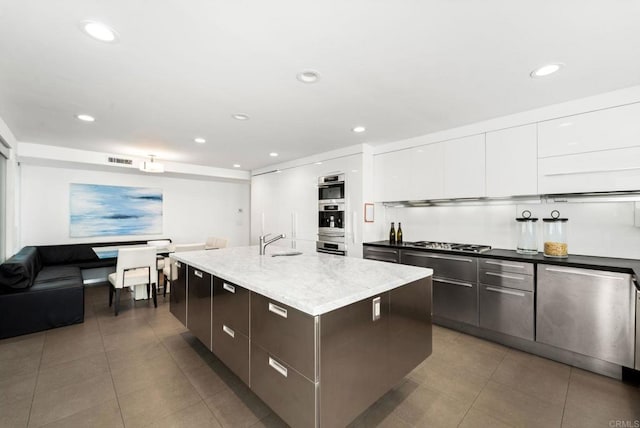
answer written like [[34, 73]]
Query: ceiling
[[401, 68]]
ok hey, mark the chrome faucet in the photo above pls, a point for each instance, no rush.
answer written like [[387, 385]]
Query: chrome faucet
[[264, 242]]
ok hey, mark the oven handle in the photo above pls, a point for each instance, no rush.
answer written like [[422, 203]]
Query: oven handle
[[336, 252]]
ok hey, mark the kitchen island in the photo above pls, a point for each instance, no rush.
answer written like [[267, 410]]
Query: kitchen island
[[319, 338]]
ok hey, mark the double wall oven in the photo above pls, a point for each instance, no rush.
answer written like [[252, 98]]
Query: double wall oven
[[331, 215]]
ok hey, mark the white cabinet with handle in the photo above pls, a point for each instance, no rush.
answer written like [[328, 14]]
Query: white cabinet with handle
[[464, 167]]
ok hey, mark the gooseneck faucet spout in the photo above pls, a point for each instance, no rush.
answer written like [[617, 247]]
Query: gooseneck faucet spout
[[264, 242]]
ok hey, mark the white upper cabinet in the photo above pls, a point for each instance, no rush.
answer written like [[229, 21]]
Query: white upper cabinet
[[613, 128], [410, 174], [464, 167], [512, 162]]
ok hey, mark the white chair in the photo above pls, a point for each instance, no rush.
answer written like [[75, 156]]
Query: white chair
[[135, 266], [170, 270], [214, 243], [162, 246]]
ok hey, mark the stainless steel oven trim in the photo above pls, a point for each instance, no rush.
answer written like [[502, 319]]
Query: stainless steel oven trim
[[322, 180], [335, 252], [322, 206]]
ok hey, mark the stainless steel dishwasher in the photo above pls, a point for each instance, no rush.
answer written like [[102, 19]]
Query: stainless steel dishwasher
[[590, 312], [637, 329]]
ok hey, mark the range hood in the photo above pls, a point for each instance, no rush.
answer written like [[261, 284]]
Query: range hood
[[625, 196]]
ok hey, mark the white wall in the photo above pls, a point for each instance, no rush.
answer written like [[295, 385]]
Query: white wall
[[598, 229], [192, 211]]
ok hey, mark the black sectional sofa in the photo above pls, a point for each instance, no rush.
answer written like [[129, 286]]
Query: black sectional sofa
[[41, 286]]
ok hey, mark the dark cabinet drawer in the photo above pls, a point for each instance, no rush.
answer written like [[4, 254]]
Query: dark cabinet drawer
[[289, 394], [178, 295], [381, 254], [232, 347], [443, 265], [507, 311], [230, 306], [199, 305], [455, 300], [286, 332], [506, 279], [506, 266]]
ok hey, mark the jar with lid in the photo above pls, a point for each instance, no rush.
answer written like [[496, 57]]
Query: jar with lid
[[555, 235], [527, 236]]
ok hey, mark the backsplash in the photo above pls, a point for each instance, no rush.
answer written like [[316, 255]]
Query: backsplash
[[598, 229]]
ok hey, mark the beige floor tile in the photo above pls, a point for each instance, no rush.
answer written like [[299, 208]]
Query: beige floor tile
[[19, 367], [59, 350], [61, 375], [102, 415], [155, 402], [179, 340], [189, 358], [478, 357], [53, 405], [211, 379], [237, 407], [195, 416], [76, 331], [129, 338], [439, 374], [516, 408], [16, 389], [137, 377], [477, 419], [120, 358], [544, 379], [15, 414], [21, 346], [380, 414], [595, 400], [427, 407]]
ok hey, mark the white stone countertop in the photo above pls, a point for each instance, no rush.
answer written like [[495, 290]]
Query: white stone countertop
[[313, 283]]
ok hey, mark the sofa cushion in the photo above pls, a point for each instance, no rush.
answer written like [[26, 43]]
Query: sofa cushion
[[56, 273], [20, 271]]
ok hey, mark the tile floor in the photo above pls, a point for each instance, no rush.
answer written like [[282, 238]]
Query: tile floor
[[144, 369]]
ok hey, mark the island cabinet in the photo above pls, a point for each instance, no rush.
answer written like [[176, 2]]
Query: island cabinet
[[199, 304], [325, 370], [230, 328], [178, 295]]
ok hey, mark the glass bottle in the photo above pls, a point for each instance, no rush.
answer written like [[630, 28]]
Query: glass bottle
[[392, 235], [399, 234]]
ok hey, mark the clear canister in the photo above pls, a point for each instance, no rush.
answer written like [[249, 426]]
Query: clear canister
[[527, 236], [555, 235]]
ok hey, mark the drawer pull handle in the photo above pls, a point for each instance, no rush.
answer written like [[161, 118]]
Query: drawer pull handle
[[489, 262], [375, 250], [277, 310], [577, 272], [448, 281], [499, 290], [229, 331], [375, 309], [197, 273], [278, 367], [458, 259], [501, 275], [230, 288]]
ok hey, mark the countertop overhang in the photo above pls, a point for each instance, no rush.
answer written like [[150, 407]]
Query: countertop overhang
[[313, 283]]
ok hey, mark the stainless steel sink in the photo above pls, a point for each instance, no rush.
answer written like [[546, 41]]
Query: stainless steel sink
[[286, 253]]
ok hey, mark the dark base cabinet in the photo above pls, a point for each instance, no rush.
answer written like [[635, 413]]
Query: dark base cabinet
[[507, 311], [199, 305], [455, 300], [178, 295]]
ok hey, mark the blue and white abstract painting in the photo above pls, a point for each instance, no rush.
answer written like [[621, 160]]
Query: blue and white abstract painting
[[97, 210]]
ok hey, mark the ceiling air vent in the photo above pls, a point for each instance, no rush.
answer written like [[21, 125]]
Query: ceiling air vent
[[120, 161]]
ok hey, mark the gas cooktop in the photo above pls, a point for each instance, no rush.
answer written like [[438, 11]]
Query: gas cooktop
[[449, 246]]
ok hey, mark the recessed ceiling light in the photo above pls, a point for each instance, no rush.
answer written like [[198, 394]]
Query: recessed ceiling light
[[318, 163], [546, 70], [199, 140], [99, 31], [273, 154], [308, 76], [359, 129], [240, 116], [85, 118], [236, 165]]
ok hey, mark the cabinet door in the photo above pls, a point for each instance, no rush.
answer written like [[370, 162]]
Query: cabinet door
[[381, 254], [178, 295], [512, 162], [199, 305], [455, 300], [464, 167], [612, 128], [507, 311], [586, 311], [411, 174]]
